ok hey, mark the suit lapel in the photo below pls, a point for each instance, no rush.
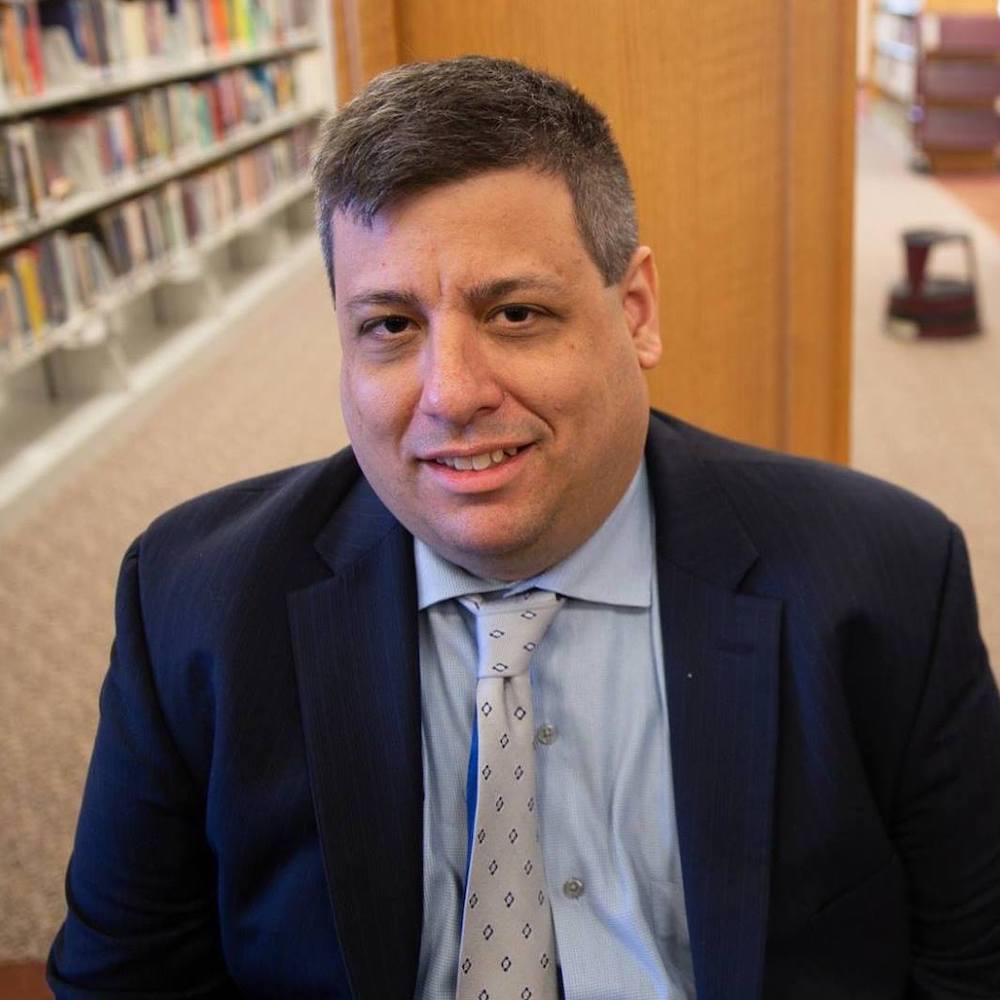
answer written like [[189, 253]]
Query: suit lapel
[[721, 652], [356, 655]]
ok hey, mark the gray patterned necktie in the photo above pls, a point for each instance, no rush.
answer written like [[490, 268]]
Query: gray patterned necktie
[[508, 941]]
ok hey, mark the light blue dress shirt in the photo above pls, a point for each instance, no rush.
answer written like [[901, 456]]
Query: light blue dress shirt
[[605, 789]]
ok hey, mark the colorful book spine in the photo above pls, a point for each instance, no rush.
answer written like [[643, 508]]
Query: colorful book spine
[[220, 24], [14, 63], [31, 36], [25, 264]]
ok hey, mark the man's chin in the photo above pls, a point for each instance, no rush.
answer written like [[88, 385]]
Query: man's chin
[[499, 552]]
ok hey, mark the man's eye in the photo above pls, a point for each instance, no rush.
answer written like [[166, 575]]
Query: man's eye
[[517, 314], [390, 324]]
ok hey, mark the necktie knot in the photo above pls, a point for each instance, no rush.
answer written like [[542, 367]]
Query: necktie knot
[[509, 629]]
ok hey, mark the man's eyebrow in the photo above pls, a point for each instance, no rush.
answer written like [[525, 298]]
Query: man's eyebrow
[[391, 297], [479, 294], [484, 292]]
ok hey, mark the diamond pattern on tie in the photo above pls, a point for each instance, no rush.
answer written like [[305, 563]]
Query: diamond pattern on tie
[[507, 934]]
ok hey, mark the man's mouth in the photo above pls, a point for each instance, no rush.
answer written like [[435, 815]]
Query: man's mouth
[[468, 463]]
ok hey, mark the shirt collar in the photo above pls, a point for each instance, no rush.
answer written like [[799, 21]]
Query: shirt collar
[[613, 566]]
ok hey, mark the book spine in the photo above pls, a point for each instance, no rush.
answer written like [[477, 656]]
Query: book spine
[[25, 263], [67, 272], [51, 283], [10, 328], [220, 25], [13, 48], [32, 34]]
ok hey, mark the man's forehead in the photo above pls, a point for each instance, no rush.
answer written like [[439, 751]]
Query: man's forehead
[[481, 237], [517, 185]]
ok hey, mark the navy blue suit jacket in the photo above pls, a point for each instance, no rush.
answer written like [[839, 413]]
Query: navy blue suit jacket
[[252, 816]]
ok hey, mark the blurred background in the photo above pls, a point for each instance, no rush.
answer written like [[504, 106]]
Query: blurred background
[[819, 180]]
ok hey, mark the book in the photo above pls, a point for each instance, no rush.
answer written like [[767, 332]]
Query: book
[[50, 282], [64, 16], [13, 206], [60, 242], [10, 322], [219, 20], [25, 265], [88, 34], [31, 39], [26, 168], [132, 17], [90, 266], [12, 48], [113, 26], [95, 9], [20, 306]]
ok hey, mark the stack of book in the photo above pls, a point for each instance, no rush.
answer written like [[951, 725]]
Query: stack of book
[[91, 147], [58, 42], [212, 199], [35, 294], [47, 282]]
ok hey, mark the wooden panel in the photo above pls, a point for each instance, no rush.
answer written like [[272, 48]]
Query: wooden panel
[[698, 98], [366, 38], [819, 120]]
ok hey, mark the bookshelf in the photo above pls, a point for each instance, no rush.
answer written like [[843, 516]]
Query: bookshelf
[[939, 61], [153, 180], [957, 107], [894, 49]]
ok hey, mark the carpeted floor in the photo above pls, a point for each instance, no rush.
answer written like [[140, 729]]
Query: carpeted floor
[[925, 415]]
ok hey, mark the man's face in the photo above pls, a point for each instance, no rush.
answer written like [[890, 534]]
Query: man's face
[[491, 382]]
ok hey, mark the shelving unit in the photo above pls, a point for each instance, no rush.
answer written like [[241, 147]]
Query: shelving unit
[[939, 61], [894, 49], [88, 202], [107, 286], [156, 72], [957, 110]]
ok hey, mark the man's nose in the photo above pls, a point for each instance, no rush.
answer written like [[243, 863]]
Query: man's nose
[[459, 377]]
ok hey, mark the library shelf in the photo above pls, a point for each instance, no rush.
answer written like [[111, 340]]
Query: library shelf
[[148, 201], [154, 73], [89, 327], [940, 61], [88, 202]]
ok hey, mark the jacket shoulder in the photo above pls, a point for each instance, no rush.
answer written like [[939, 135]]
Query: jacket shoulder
[[766, 484], [248, 526], [819, 527]]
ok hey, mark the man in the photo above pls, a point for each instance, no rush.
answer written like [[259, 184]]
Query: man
[[767, 740]]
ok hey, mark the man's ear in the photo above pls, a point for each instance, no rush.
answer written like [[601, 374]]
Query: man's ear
[[639, 291]]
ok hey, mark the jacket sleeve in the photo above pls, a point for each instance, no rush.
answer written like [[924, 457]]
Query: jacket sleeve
[[947, 816], [141, 907]]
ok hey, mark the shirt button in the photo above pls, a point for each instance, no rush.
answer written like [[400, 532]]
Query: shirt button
[[573, 888], [546, 734]]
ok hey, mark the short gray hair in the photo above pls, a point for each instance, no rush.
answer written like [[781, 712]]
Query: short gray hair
[[425, 124]]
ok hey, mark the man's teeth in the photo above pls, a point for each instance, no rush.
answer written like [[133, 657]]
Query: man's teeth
[[478, 462]]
